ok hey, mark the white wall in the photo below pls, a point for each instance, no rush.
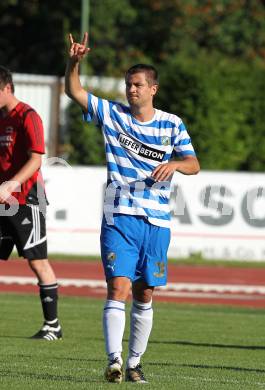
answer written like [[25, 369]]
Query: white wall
[[226, 221], [46, 95], [43, 94]]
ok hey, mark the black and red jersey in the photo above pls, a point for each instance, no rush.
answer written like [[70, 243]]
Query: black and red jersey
[[21, 132]]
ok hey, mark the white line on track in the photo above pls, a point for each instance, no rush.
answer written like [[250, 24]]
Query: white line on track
[[171, 288], [199, 295]]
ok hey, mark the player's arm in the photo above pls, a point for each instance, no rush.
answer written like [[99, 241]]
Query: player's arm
[[32, 165], [189, 165], [29, 168], [73, 87]]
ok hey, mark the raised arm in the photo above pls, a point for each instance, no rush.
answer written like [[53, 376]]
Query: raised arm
[[73, 87]]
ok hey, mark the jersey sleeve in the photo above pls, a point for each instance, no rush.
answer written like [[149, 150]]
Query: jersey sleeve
[[182, 145], [96, 109], [34, 132]]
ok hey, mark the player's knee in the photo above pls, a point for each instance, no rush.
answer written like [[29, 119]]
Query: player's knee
[[39, 266], [118, 289], [142, 297], [142, 293], [117, 294]]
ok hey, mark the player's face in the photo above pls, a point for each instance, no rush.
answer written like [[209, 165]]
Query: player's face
[[138, 91], [4, 94]]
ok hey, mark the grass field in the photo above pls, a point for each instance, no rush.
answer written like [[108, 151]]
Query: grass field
[[191, 347]]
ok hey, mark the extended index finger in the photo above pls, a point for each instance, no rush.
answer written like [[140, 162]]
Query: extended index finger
[[85, 38], [71, 39]]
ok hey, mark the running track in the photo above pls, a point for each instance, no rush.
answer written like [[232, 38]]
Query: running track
[[193, 284]]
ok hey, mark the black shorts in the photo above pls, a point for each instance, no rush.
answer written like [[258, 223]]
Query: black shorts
[[27, 231]]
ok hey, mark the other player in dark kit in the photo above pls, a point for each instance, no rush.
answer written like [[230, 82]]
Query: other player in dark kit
[[23, 199]]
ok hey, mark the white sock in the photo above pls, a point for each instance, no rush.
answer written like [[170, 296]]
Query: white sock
[[141, 326], [113, 325]]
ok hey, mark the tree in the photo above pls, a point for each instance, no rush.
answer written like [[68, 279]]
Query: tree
[[112, 26], [232, 28], [216, 99], [210, 54], [33, 34]]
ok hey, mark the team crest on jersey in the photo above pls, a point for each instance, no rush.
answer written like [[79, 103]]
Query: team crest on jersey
[[165, 140], [111, 256]]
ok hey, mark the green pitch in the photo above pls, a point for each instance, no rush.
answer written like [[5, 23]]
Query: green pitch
[[191, 347]]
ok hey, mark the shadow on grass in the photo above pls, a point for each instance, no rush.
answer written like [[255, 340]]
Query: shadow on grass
[[210, 345], [208, 367]]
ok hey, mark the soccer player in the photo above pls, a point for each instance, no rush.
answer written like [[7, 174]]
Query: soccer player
[[135, 234], [22, 197]]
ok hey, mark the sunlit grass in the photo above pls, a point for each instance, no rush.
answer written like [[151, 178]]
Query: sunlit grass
[[191, 347]]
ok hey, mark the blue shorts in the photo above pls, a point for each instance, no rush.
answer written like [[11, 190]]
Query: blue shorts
[[134, 248]]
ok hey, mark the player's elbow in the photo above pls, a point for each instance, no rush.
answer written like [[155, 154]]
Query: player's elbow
[[196, 167], [193, 166], [35, 160], [68, 91]]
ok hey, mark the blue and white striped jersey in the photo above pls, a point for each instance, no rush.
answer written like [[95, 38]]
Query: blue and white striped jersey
[[133, 150]]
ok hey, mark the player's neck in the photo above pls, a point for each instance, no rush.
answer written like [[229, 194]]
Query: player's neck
[[10, 105], [143, 114]]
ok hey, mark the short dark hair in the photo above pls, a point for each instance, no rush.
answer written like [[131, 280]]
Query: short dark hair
[[149, 70], [6, 78]]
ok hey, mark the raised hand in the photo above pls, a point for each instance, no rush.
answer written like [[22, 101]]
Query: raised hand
[[77, 51]]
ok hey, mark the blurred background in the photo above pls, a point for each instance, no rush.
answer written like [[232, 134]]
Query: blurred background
[[211, 60], [210, 54]]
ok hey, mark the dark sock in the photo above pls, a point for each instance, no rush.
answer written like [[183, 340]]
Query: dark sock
[[49, 297]]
